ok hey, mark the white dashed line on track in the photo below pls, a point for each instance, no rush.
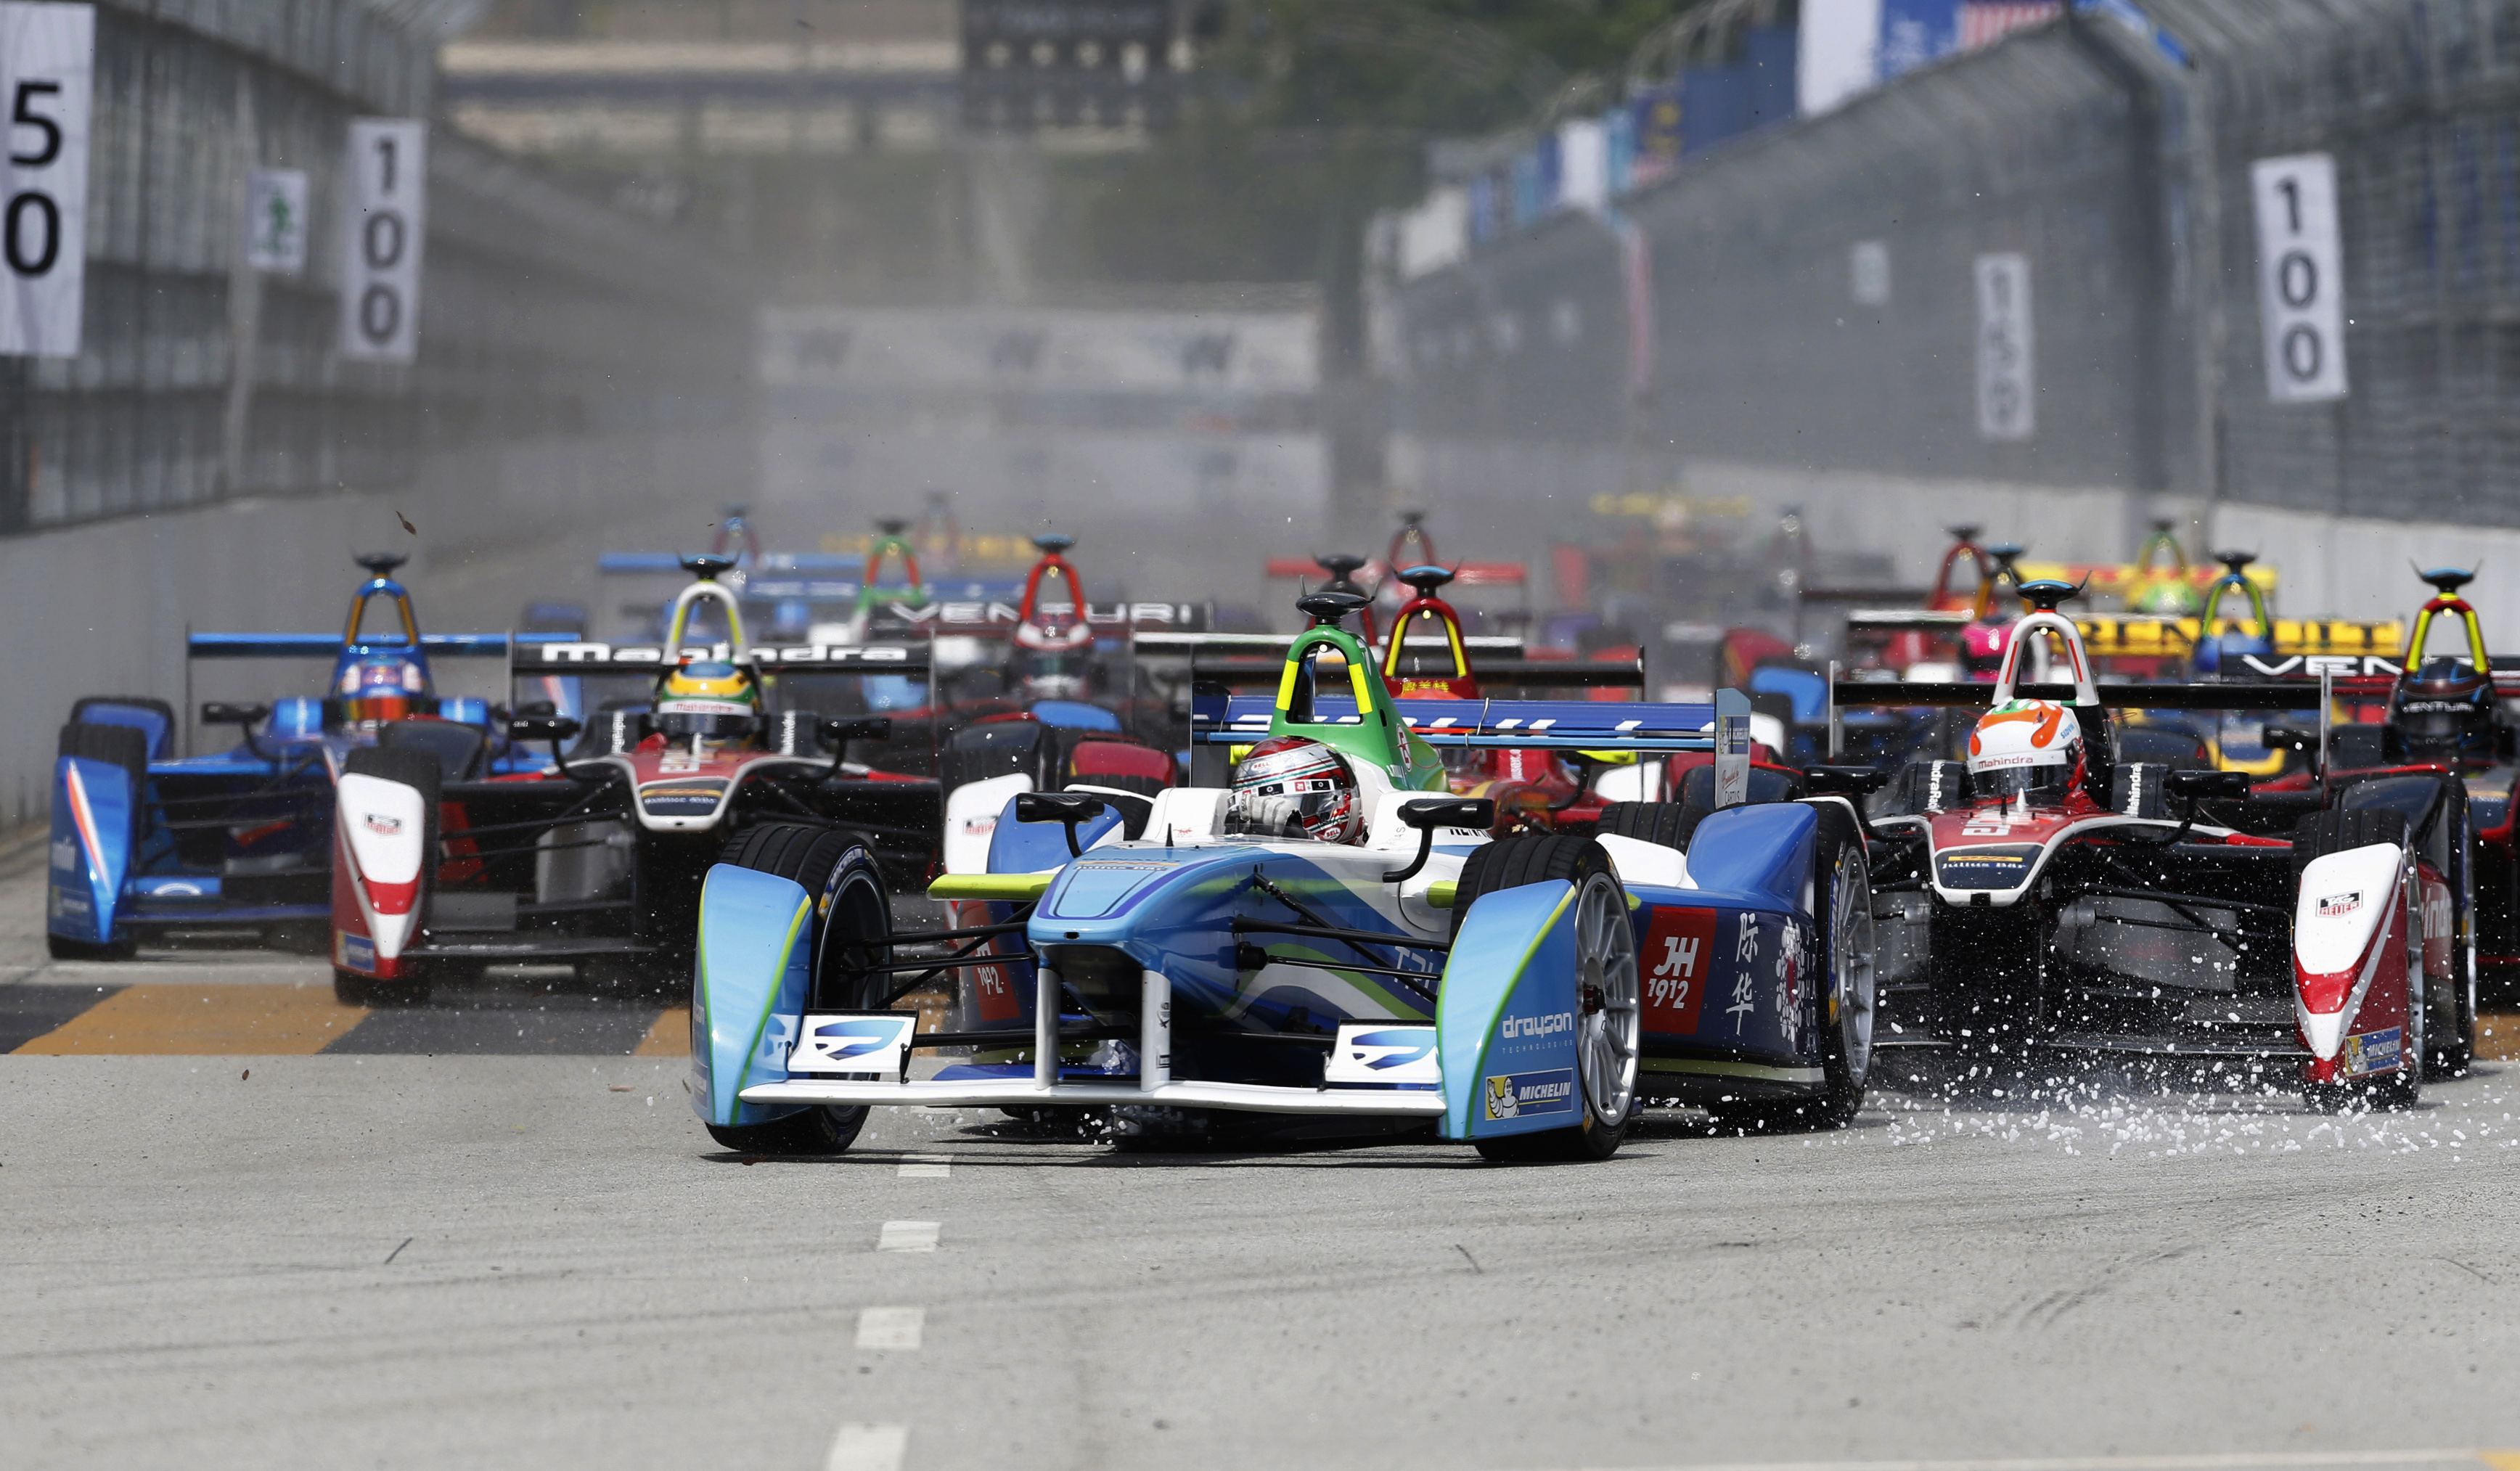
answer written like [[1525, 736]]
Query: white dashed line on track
[[907, 1236], [867, 1447], [926, 1168], [890, 1327]]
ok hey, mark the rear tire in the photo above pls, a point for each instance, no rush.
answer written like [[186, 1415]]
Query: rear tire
[[122, 746], [852, 925], [1608, 998], [82, 950], [1670, 825]]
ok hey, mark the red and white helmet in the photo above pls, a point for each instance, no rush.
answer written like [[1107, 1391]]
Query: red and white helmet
[[2029, 748], [1314, 779]]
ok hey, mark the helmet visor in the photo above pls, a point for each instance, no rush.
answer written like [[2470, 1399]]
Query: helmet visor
[[2036, 783], [676, 725], [2438, 723]]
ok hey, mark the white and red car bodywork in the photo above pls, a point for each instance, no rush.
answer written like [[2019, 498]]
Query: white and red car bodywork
[[2366, 925], [2372, 931], [602, 857]]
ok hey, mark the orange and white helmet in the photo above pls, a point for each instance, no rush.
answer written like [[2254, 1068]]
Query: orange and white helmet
[[2031, 748]]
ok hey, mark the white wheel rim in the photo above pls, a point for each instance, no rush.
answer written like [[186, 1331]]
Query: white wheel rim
[[1854, 992], [1605, 999]]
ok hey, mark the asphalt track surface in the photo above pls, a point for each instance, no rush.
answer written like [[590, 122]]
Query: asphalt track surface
[[244, 1226]]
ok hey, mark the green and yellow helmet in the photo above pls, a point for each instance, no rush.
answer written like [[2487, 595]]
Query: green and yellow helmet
[[710, 699]]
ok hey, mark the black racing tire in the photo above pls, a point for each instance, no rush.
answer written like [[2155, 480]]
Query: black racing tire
[[1526, 858], [1923, 787], [1670, 825], [1510, 863], [803, 1135], [1988, 978], [2336, 830], [420, 770], [155, 706], [409, 765], [852, 930], [115, 745], [1842, 936], [352, 988], [111, 745], [2450, 1021]]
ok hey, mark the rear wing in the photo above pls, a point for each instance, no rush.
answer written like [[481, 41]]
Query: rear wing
[[809, 589], [588, 657], [1191, 643], [2252, 695], [1493, 724], [2117, 578], [1904, 620], [2112, 635], [1468, 574], [998, 617], [330, 645], [1257, 661], [635, 563]]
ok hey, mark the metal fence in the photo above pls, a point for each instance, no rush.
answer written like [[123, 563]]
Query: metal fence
[[542, 313], [1812, 303]]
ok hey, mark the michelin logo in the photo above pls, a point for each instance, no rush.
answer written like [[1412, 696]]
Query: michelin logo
[[1523, 1095], [2372, 1052], [1537, 1026]]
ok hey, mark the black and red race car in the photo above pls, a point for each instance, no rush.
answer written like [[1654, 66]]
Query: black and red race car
[[2436, 743], [598, 860], [2176, 915]]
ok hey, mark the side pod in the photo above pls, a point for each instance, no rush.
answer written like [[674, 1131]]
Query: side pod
[[95, 810], [2349, 960], [1504, 1020], [749, 989]]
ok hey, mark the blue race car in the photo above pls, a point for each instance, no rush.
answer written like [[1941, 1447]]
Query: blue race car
[[1181, 961], [146, 843], [813, 596]]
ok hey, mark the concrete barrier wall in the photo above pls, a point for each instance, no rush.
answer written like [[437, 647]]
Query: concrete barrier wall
[[103, 609], [2328, 564]]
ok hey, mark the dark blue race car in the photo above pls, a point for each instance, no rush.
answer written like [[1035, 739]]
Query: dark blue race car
[[149, 843]]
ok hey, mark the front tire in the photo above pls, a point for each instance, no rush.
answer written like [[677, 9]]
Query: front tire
[[852, 931], [1607, 994], [2339, 830], [60, 949], [1841, 908], [353, 988]]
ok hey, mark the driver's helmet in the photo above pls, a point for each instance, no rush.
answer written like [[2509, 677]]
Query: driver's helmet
[[2026, 748], [1982, 646], [2444, 711], [2169, 596], [1052, 676], [380, 687], [1313, 783], [716, 702]]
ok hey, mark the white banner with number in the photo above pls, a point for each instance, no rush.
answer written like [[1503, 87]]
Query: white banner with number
[[47, 56], [384, 219], [2007, 352], [2301, 278], [275, 221]]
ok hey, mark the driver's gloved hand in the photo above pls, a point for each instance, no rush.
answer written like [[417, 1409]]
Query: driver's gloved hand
[[1249, 815]]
